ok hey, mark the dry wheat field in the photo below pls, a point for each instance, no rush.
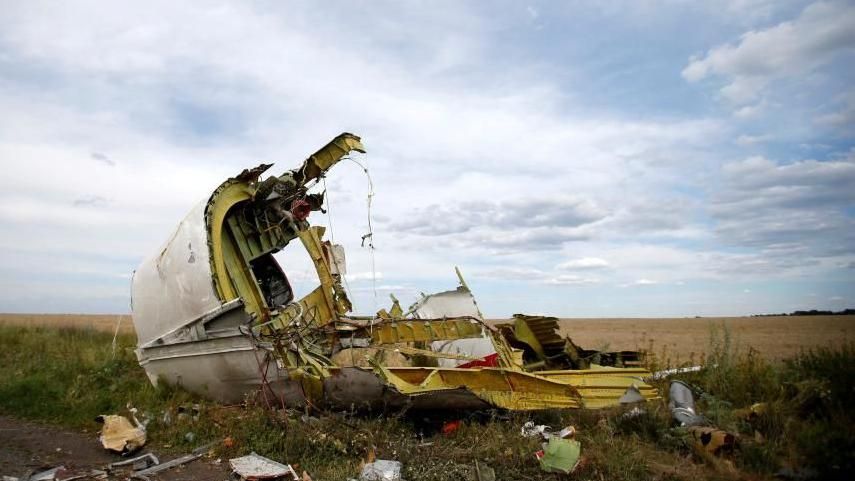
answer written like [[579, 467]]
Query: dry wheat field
[[681, 339]]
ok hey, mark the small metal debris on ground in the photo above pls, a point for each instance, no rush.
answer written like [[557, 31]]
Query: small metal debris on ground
[[632, 396], [560, 455], [119, 435], [381, 470], [681, 402], [145, 473], [58, 473], [255, 466], [138, 463], [48, 474]]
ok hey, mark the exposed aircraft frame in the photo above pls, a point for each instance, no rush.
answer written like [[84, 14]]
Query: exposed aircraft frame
[[215, 313]]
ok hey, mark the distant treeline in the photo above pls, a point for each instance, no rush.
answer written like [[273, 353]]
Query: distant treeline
[[813, 312]]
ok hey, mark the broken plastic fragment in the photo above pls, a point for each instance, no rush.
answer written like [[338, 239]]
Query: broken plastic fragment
[[119, 435], [560, 455]]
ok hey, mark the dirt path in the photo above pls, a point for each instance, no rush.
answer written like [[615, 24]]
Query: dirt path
[[26, 446]]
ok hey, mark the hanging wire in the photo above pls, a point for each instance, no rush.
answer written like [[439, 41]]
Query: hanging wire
[[370, 235]]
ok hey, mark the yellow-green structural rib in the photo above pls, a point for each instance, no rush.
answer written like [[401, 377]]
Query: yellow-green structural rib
[[522, 365]]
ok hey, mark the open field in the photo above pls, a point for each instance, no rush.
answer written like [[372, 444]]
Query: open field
[[65, 376], [685, 339], [100, 322], [679, 339]]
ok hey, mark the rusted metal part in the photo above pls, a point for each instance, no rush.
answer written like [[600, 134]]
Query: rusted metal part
[[216, 314]]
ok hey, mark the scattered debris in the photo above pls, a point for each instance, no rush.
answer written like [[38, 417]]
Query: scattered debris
[[143, 475], [530, 430], [48, 475], [670, 372], [381, 470], [451, 426], [58, 473], [138, 463], [681, 402], [632, 396], [119, 435], [633, 413], [712, 440], [568, 432], [257, 467], [560, 455]]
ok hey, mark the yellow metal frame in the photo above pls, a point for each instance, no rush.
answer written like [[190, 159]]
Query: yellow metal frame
[[323, 310]]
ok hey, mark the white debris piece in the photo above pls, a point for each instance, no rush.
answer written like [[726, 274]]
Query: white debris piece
[[529, 430], [255, 466], [381, 470]]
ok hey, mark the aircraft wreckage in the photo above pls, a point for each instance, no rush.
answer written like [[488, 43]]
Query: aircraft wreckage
[[214, 312]]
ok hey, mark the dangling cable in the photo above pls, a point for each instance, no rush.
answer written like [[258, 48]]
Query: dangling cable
[[370, 234]]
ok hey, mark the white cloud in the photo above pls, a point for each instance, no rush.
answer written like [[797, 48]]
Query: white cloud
[[363, 276], [748, 140], [584, 263], [570, 279], [822, 31]]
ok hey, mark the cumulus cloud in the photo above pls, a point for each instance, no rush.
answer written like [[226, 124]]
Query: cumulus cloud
[[821, 32]]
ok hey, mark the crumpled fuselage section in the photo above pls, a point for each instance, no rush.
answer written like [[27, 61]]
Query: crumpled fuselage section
[[250, 332]]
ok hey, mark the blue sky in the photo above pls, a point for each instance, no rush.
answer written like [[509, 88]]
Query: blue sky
[[625, 158]]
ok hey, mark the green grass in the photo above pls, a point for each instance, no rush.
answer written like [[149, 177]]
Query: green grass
[[69, 376]]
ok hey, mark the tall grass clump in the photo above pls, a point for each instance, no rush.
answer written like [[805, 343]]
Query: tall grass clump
[[69, 375]]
